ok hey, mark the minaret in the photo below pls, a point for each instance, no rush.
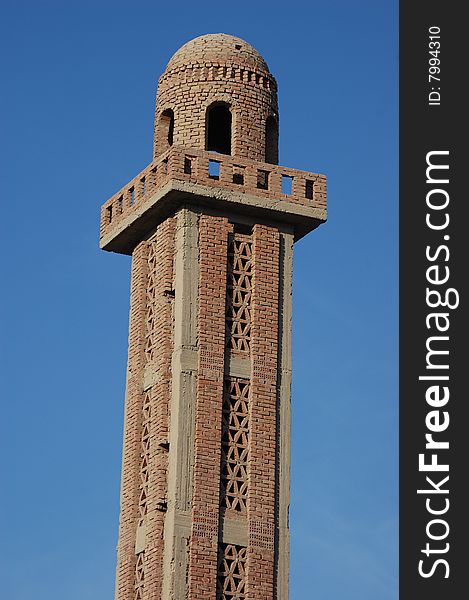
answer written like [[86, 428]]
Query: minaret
[[210, 226]]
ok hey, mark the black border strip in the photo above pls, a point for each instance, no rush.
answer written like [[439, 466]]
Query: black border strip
[[433, 124]]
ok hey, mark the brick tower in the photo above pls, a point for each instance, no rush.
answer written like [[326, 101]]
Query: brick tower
[[210, 226]]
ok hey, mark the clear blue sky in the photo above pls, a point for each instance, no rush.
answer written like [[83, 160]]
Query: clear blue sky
[[79, 81]]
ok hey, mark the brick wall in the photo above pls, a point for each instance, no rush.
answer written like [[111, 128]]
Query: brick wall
[[203, 549], [262, 500], [149, 385], [129, 514]]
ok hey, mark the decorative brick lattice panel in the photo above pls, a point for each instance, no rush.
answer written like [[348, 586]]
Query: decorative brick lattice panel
[[143, 496], [235, 445], [139, 576], [239, 292], [231, 574], [151, 304], [145, 456]]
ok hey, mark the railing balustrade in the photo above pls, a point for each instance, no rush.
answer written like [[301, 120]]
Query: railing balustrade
[[215, 170]]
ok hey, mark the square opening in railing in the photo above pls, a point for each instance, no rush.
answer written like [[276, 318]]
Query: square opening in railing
[[309, 189], [238, 175], [263, 180], [188, 165], [214, 169], [287, 184]]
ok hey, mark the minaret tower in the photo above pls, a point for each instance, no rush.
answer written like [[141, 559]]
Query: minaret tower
[[210, 226]]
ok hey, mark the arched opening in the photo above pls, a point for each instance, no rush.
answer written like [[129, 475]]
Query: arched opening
[[166, 129], [219, 129], [271, 140]]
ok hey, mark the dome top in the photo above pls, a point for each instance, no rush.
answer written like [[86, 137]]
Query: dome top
[[218, 47]]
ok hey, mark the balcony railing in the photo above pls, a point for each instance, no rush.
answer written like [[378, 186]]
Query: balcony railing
[[217, 170]]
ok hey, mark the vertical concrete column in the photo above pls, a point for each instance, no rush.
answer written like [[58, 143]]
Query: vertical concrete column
[[263, 418], [158, 383], [125, 576], [213, 233], [182, 409], [282, 537]]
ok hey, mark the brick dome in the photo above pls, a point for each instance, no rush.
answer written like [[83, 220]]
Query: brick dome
[[218, 47], [217, 94]]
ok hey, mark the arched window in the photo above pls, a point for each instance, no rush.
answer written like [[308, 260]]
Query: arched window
[[219, 129], [166, 128], [271, 140]]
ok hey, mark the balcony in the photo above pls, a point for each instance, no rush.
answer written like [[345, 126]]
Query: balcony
[[185, 175]]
